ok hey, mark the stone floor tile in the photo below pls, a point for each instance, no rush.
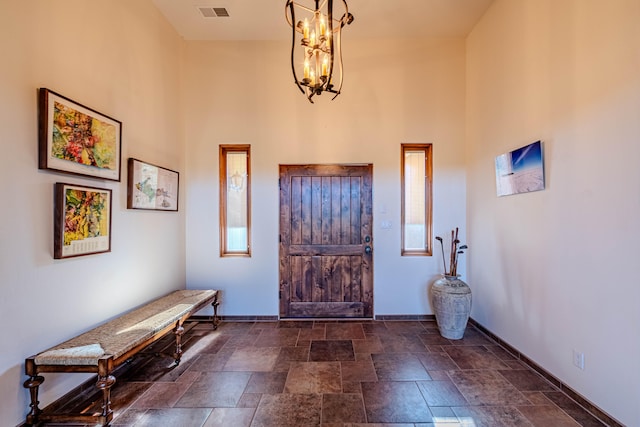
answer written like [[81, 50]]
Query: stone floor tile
[[210, 342], [369, 345], [295, 324], [563, 401], [279, 337], [395, 402], [253, 359], [358, 371], [430, 339], [441, 393], [374, 328], [249, 400], [288, 410], [352, 387], [342, 408], [210, 362], [127, 418], [266, 382], [235, 327], [549, 415], [312, 334], [472, 336], [183, 417], [526, 380], [399, 367], [288, 355], [487, 387], [474, 357], [161, 395], [437, 361], [492, 416], [404, 326], [501, 353], [227, 417], [537, 398], [314, 377], [323, 351], [345, 331], [215, 389], [401, 344]]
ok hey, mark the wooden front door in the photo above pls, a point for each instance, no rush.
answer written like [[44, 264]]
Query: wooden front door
[[326, 241]]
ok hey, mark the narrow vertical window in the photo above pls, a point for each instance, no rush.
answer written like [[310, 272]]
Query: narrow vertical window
[[416, 199], [235, 200]]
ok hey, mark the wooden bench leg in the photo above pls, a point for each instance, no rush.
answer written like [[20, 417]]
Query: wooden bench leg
[[104, 383], [178, 331], [33, 384], [216, 319]]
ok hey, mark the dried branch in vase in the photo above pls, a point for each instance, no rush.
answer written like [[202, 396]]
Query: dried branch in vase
[[454, 254]]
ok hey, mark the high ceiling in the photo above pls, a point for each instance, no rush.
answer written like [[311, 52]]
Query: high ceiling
[[265, 19]]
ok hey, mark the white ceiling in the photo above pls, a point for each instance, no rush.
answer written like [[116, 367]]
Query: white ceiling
[[265, 19]]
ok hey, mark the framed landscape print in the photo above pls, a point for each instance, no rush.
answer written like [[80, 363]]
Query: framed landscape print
[[75, 139], [520, 171], [151, 187], [82, 220]]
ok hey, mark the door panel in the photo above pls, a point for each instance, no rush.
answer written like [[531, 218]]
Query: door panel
[[325, 241]]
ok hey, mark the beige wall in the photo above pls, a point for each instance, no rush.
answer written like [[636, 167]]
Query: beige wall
[[121, 58], [394, 92], [553, 271]]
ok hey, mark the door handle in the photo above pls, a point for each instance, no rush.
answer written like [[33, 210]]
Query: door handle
[[367, 249]]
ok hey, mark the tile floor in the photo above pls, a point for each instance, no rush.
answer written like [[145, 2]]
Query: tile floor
[[338, 374]]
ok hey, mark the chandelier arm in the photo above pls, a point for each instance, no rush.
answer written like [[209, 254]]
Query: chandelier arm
[[332, 46], [286, 15], [346, 7], [301, 6], [290, 3], [339, 48]]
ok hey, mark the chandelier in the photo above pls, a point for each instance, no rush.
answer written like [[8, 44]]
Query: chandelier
[[317, 31]]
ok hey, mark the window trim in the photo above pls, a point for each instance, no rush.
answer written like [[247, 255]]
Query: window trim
[[428, 198], [224, 150]]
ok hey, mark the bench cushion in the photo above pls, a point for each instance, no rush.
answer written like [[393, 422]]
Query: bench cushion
[[123, 333]]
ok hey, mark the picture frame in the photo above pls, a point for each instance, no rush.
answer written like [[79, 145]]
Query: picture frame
[[520, 170], [76, 139], [151, 187], [82, 220]]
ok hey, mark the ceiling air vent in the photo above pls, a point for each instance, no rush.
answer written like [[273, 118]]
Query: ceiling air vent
[[213, 12]]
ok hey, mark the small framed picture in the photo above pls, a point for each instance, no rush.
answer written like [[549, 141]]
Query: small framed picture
[[82, 221], [75, 139], [151, 187], [520, 170]]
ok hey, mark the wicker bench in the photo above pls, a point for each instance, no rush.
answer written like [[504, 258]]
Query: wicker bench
[[107, 346]]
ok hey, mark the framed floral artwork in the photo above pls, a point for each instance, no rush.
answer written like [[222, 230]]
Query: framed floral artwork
[[151, 187], [76, 139], [82, 220]]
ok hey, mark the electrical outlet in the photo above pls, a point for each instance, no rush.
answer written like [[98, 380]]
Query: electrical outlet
[[578, 359]]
